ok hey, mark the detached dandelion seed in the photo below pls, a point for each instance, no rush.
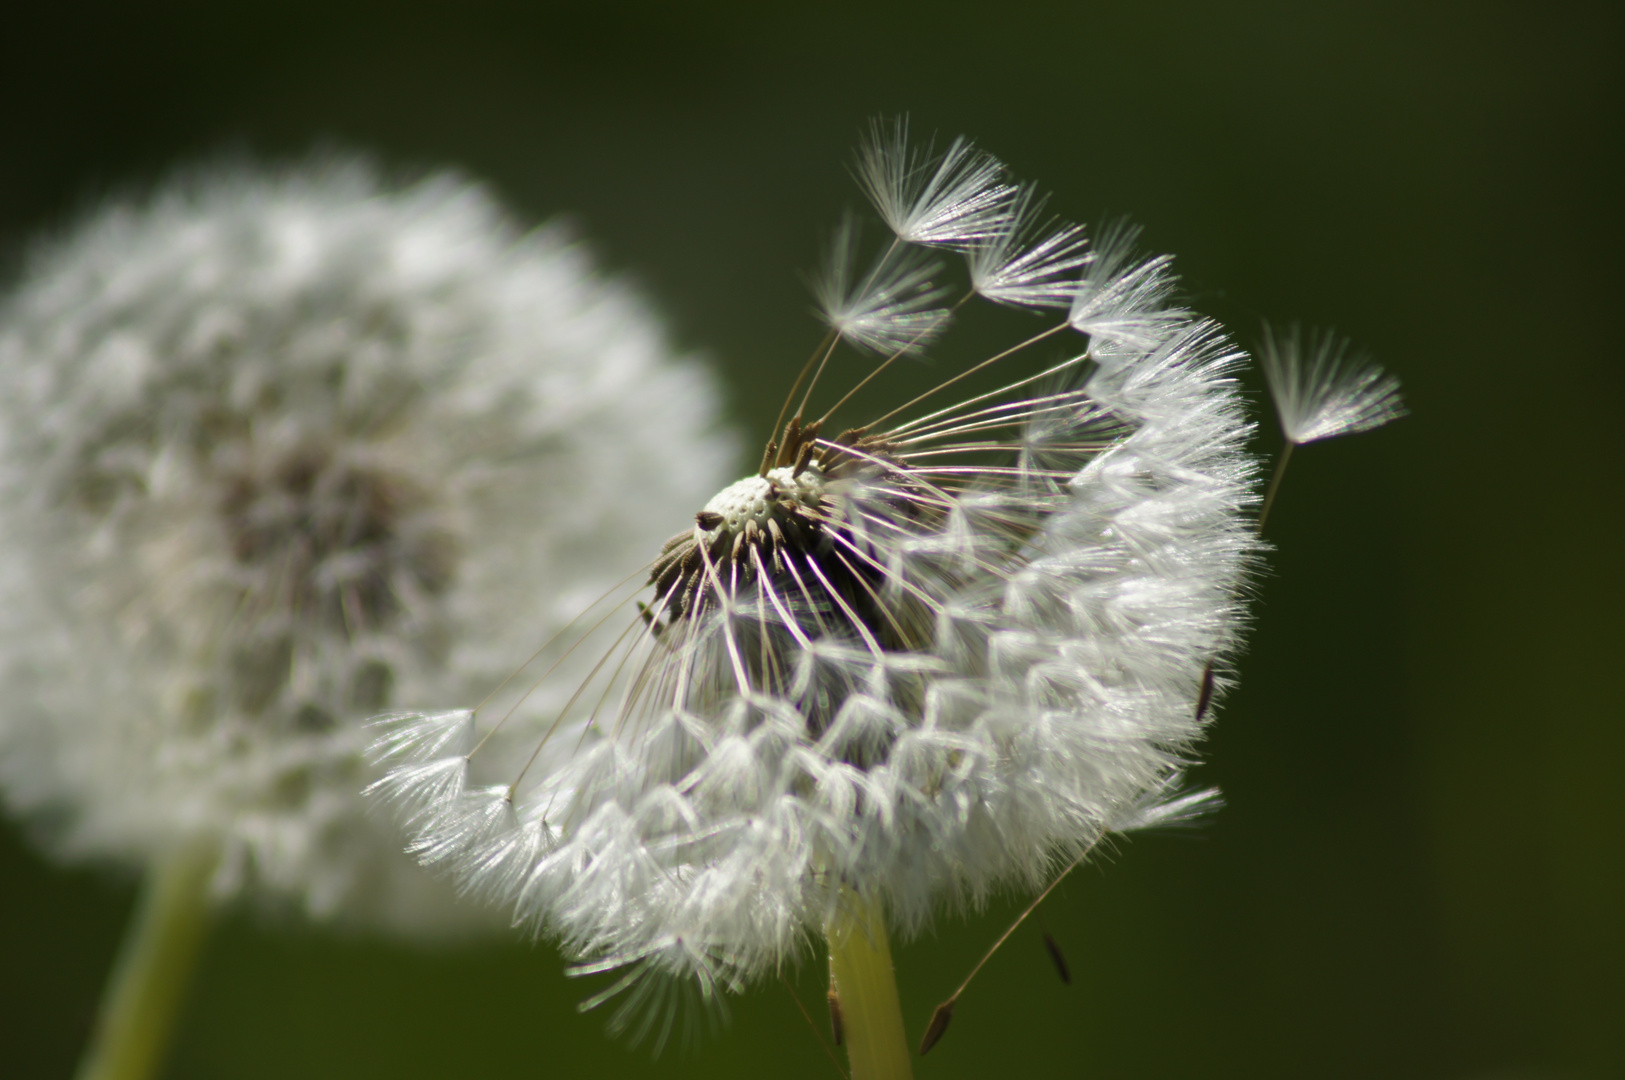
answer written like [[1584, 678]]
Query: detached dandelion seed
[[281, 450], [1322, 388], [940, 648]]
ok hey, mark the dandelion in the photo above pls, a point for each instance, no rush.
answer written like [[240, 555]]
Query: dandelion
[[1322, 388], [943, 648], [280, 451]]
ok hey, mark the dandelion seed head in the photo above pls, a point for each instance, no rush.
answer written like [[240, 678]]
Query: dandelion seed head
[[281, 451], [942, 650]]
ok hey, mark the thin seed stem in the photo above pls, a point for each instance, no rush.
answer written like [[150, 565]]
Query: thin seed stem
[[825, 347], [944, 1012], [548, 644], [893, 357], [1034, 340], [812, 383], [568, 705], [1275, 485], [829, 1051], [871, 1019], [149, 980]]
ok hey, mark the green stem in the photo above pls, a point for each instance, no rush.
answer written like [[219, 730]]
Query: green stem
[[154, 966], [872, 1021]]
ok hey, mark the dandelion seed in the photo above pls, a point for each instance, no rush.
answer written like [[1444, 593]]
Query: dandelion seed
[[1058, 958], [955, 201], [1028, 264], [889, 309], [1323, 388], [946, 647], [1122, 304]]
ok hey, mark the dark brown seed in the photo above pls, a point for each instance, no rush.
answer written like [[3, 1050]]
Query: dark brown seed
[[669, 568], [938, 1025], [804, 458], [837, 1026], [1056, 955], [1205, 697], [851, 436], [792, 440]]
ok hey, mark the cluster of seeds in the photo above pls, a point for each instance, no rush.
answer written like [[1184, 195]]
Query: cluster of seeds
[[948, 648]]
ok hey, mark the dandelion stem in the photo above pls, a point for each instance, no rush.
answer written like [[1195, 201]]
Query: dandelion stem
[[1275, 484], [871, 1019], [154, 967]]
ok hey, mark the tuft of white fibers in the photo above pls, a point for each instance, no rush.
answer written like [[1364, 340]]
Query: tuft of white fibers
[[1121, 301], [279, 450], [956, 200], [1323, 388], [945, 649], [891, 307], [1029, 262]]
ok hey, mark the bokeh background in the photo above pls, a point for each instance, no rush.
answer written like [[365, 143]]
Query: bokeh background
[[1421, 869]]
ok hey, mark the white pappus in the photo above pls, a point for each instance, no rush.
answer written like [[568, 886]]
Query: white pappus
[[936, 649], [281, 449], [1323, 387]]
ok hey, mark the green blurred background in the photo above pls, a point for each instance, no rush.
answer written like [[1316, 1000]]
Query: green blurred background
[[1421, 869]]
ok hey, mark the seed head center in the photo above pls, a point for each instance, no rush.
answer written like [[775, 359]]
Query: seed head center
[[747, 507]]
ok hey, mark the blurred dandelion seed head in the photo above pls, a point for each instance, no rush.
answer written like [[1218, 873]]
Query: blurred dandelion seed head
[[280, 451]]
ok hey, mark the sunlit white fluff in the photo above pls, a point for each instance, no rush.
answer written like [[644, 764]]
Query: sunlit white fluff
[[917, 658], [278, 450], [1029, 262], [956, 200], [1124, 300], [888, 307], [1323, 387]]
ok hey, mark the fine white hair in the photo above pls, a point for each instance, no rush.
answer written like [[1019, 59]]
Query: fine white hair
[[1323, 387]]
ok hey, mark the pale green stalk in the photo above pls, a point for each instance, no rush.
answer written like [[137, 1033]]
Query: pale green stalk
[[871, 1020], [154, 968]]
